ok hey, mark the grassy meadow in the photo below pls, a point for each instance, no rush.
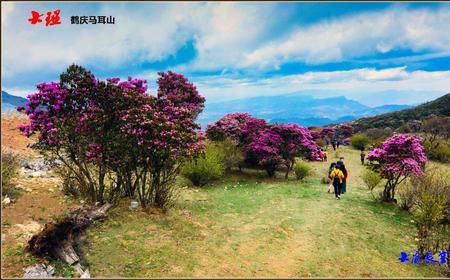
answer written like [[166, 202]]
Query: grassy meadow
[[247, 225]]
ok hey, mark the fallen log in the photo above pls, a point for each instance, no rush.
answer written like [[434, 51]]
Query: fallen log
[[57, 239]]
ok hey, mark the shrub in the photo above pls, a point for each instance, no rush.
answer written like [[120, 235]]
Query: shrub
[[378, 135], [359, 141], [398, 158], [325, 181], [10, 165], [436, 127], [321, 142], [408, 194], [301, 169], [431, 210], [280, 144], [239, 127], [438, 150], [230, 153], [205, 168], [113, 133], [371, 179], [264, 145], [404, 128], [344, 131]]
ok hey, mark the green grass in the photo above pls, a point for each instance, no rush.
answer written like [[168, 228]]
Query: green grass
[[247, 225]]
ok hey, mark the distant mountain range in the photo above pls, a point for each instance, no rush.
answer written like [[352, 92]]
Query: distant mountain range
[[292, 108], [10, 102], [439, 106]]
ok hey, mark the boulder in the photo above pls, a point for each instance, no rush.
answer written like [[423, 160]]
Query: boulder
[[39, 271], [6, 200], [22, 188]]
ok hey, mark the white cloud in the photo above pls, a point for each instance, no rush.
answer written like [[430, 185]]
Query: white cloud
[[221, 32], [359, 84], [7, 9], [357, 35], [225, 35], [369, 86]]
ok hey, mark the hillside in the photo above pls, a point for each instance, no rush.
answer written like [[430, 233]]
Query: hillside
[[440, 106], [10, 102], [301, 109]]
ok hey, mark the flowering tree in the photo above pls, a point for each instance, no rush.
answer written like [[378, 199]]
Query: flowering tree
[[238, 127], [265, 149], [265, 145], [315, 132], [399, 157], [344, 131], [113, 129], [77, 122], [328, 131], [165, 133], [296, 141]]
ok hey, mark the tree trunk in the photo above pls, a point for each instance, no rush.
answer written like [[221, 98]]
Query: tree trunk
[[58, 238]]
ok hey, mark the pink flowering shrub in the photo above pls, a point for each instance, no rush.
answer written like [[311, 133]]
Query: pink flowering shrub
[[239, 127], [265, 145], [343, 131], [399, 157], [113, 129], [328, 131], [264, 148]]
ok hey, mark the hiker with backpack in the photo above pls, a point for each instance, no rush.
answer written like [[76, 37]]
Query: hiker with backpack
[[330, 169], [337, 177], [340, 164]]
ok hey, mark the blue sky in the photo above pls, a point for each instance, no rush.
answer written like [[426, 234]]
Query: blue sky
[[376, 53]]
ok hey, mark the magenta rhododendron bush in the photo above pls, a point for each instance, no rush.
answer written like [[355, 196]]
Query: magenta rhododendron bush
[[239, 127], [265, 145], [399, 157], [328, 131], [113, 135]]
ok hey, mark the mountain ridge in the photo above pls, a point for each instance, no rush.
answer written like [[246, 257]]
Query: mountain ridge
[[10, 102], [439, 106], [302, 109]]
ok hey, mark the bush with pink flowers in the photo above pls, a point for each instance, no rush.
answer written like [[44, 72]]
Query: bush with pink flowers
[[264, 145], [113, 135], [399, 157]]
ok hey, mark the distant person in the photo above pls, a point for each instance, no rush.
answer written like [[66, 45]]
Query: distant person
[[363, 156], [337, 177], [337, 144], [333, 143], [341, 166], [330, 169], [325, 155]]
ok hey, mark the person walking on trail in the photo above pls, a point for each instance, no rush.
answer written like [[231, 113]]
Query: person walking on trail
[[337, 177], [325, 155], [340, 161], [363, 156], [333, 143], [337, 144], [330, 169], [342, 167]]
